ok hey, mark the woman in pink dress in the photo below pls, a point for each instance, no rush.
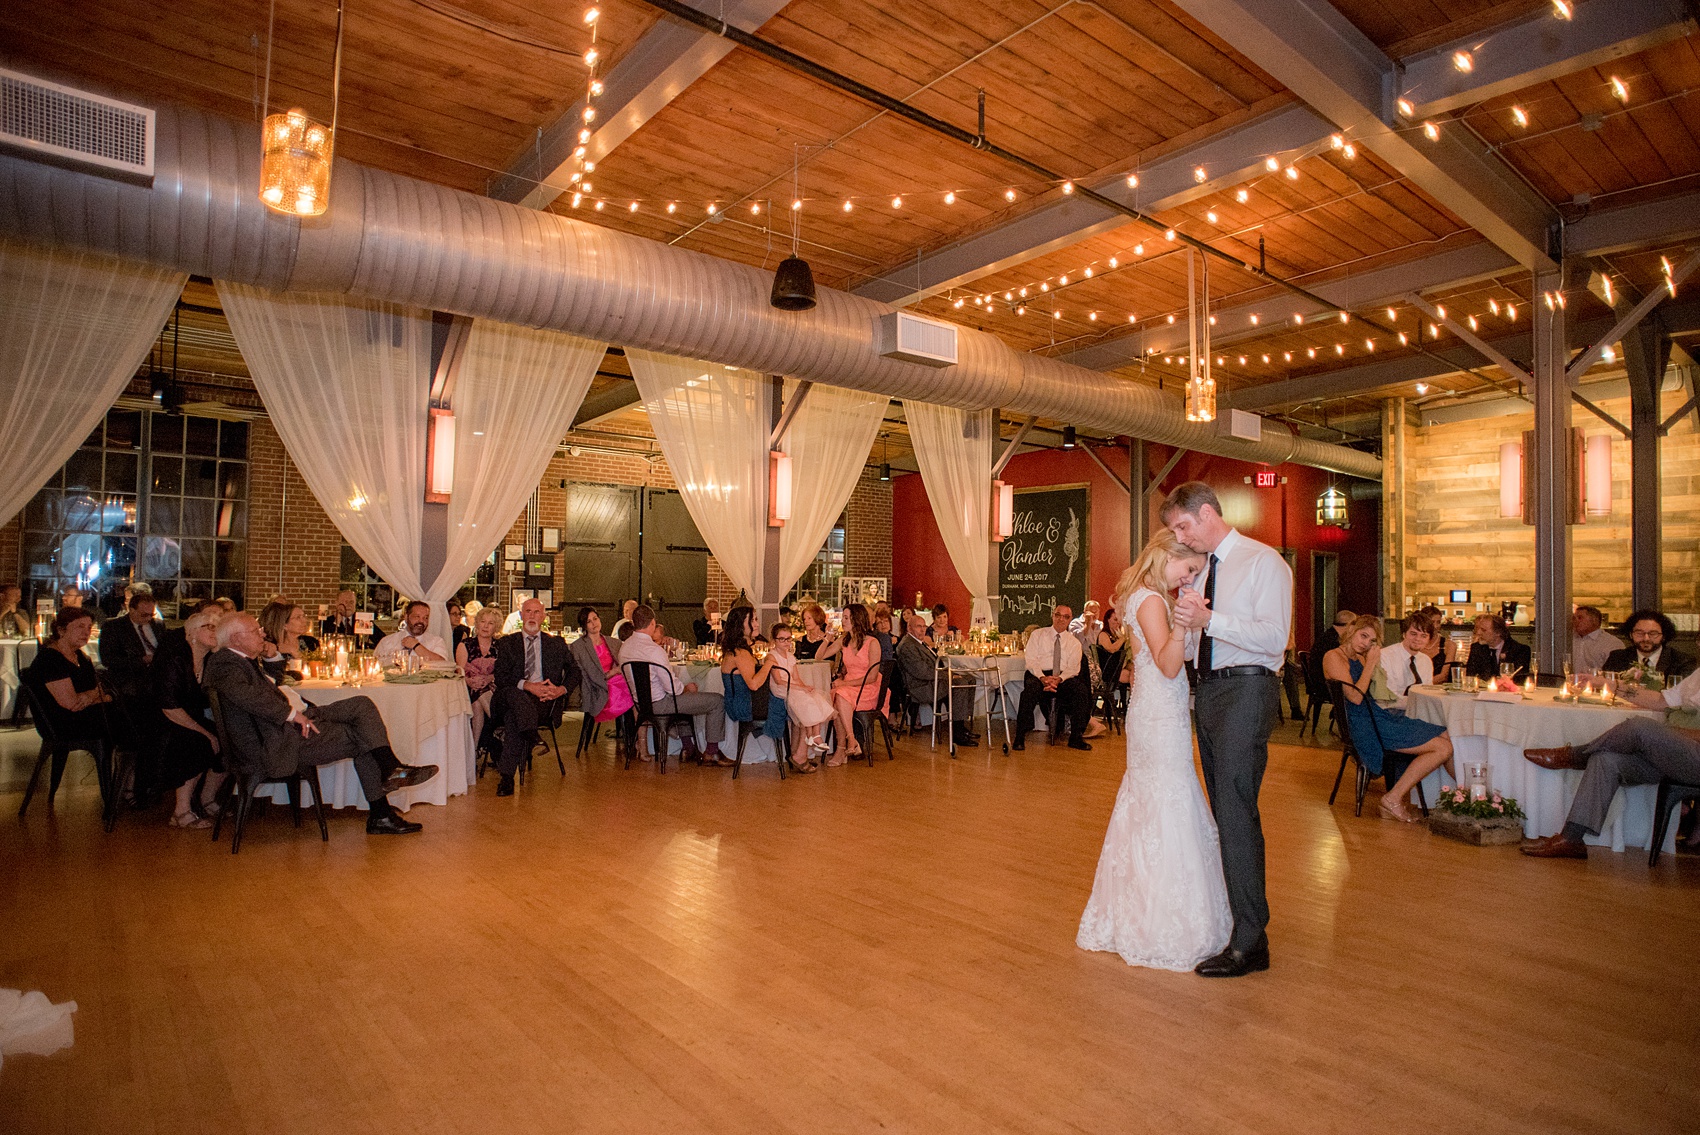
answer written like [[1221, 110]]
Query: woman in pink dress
[[861, 653], [476, 657], [602, 687]]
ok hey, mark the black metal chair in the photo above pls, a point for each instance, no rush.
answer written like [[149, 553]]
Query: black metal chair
[[1671, 793], [1316, 696], [643, 705], [863, 720], [245, 780], [1393, 764], [748, 729], [58, 750]]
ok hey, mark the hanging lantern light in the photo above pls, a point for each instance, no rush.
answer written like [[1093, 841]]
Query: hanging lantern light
[[1331, 509], [793, 282], [295, 169]]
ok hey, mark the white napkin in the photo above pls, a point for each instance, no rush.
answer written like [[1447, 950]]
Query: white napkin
[[30, 1023]]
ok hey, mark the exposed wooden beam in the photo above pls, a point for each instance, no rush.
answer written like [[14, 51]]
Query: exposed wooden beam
[[1319, 55], [1014, 444], [611, 402], [794, 404], [1483, 348], [1591, 355]]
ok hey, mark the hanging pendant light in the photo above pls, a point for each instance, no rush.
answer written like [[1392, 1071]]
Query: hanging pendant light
[[885, 464], [793, 283], [1068, 441], [295, 170]]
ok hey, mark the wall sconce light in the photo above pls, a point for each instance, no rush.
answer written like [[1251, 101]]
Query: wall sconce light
[[1003, 510], [440, 456], [1510, 480], [1597, 475], [1331, 509], [778, 489]]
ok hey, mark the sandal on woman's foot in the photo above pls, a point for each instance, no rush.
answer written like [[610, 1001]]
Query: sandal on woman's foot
[[1394, 812], [189, 821], [835, 761], [804, 766]]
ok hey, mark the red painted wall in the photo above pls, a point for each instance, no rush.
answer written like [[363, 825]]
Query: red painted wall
[[1283, 517]]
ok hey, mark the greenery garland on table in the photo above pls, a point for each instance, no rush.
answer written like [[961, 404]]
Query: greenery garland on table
[[1456, 801]]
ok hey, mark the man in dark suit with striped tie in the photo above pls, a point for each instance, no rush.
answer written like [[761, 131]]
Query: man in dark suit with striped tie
[[534, 670]]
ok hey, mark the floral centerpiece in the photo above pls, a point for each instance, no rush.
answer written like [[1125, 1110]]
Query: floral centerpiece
[[1486, 820], [1642, 676]]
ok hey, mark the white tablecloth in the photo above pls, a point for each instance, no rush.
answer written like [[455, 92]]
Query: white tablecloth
[[1010, 667], [428, 725], [1498, 732], [15, 657]]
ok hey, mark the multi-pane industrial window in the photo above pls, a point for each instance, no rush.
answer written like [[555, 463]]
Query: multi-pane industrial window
[[148, 497]]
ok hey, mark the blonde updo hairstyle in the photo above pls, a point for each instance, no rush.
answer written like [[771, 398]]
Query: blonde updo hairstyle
[[1151, 567]]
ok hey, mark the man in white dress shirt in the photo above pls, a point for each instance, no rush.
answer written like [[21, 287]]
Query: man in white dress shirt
[[411, 638], [706, 709], [1407, 663], [1241, 611], [1592, 645], [1054, 674], [1637, 751]]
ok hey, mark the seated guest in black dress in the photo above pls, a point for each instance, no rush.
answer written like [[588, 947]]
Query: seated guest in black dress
[[191, 743], [1649, 633], [458, 630], [285, 626], [815, 641], [1494, 647], [706, 630], [74, 697]]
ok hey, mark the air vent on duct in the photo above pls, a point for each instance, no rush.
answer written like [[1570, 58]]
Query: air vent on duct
[[911, 339], [68, 126]]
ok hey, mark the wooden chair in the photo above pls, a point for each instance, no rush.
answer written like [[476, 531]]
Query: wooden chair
[[245, 780], [1349, 752], [1671, 793], [643, 706], [58, 750]]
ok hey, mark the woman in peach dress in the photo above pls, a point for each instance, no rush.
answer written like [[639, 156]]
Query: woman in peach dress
[[861, 653]]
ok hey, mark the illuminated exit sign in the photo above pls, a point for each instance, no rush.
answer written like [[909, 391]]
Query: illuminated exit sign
[[1266, 479]]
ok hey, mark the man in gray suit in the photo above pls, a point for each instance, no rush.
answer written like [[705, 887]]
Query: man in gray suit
[[277, 734], [919, 663], [1636, 751], [1240, 622]]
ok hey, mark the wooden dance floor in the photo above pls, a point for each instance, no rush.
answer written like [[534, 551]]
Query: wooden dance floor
[[864, 950]]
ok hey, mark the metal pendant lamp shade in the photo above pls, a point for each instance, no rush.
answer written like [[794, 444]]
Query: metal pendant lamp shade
[[793, 285]]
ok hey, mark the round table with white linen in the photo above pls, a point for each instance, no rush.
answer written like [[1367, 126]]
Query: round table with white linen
[[15, 657], [816, 673], [1011, 669], [1499, 732], [429, 724]]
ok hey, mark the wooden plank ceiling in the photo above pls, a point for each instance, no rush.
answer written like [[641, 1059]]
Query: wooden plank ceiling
[[457, 92]]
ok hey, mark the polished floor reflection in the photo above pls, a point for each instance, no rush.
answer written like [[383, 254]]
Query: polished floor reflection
[[862, 950]]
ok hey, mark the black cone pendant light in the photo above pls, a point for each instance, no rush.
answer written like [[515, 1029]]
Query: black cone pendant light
[[793, 283]]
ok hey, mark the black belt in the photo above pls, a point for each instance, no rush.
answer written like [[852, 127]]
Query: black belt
[[1236, 672]]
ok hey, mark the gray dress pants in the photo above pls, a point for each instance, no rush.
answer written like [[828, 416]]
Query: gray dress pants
[[708, 711], [1233, 718], [1637, 751]]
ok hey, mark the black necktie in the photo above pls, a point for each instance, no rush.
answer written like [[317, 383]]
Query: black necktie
[[1202, 662], [1416, 679]]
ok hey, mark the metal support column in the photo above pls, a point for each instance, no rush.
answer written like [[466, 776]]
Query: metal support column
[[1138, 503], [1646, 352], [1551, 491], [768, 597]]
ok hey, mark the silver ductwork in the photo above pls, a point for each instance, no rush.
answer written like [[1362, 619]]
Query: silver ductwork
[[407, 241]]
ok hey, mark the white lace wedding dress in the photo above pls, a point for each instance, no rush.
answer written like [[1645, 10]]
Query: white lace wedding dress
[[1158, 899]]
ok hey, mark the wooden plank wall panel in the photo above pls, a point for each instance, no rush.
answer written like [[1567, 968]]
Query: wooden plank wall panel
[[1456, 538]]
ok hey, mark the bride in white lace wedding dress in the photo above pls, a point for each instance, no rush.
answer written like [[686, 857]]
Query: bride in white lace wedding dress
[[1159, 899]]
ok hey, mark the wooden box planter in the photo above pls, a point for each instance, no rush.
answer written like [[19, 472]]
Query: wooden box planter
[[1468, 829]]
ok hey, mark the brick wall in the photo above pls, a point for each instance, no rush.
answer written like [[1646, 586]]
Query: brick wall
[[293, 548], [867, 527], [11, 548]]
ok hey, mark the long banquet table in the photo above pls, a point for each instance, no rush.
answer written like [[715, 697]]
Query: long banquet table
[[1499, 732], [429, 724]]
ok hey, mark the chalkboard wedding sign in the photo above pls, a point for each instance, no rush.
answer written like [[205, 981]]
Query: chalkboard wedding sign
[[1043, 562]]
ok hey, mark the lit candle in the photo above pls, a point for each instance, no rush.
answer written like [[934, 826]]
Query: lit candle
[[341, 667], [1529, 684]]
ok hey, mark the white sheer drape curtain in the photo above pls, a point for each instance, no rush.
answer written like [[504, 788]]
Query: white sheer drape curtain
[[711, 428], [954, 450], [514, 399], [345, 383], [74, 328], [829, 441]]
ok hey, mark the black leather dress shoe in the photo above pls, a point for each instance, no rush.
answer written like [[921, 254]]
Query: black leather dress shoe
[[1077, 743], [391, 824], [967, 741], [1235, 963], [505, 787], [406, 776], [1020, 744]]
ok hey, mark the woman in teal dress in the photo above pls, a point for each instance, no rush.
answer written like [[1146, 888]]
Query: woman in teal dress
[[749, 696], [1377, 730]]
